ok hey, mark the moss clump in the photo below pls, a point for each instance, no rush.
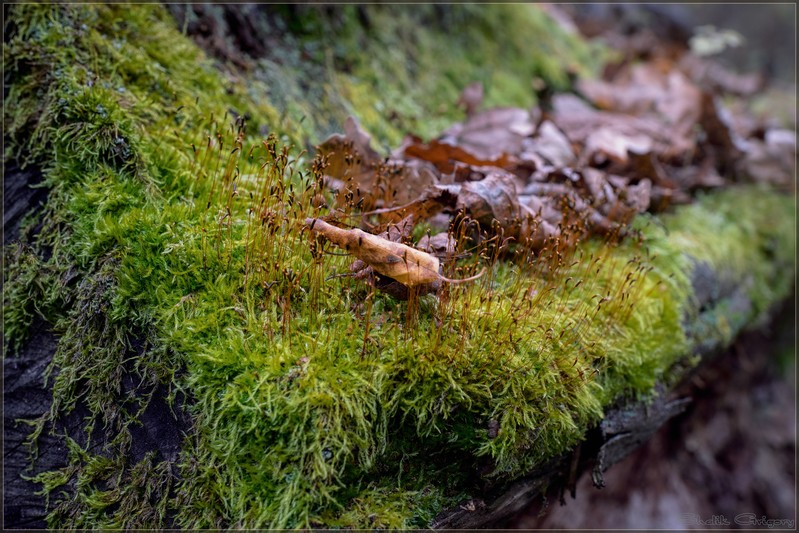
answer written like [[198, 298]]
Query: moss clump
[[176, 253]]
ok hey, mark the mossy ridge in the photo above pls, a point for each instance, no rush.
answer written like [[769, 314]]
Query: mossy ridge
[[98, 106], [434, 383], [183, 272]]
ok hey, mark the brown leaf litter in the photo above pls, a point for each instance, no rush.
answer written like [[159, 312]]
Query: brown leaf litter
[[648, 135]]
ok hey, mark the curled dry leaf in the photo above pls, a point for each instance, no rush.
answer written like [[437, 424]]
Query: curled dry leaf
[[491, 134], [426, 206], [578, 121], [551, 144], [610, 145], [361, 141], [407, 265], [600, 190], [399, 181], [399, 232], [637, 196], [441, 245], [772, 160], [535, 231]]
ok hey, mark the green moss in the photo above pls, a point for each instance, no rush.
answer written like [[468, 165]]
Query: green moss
[[28, 289], [734, 228], [107, 494], [177, 256], [403, 70]]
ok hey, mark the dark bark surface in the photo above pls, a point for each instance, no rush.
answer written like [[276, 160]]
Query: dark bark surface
[[26, 397], [20, 198]]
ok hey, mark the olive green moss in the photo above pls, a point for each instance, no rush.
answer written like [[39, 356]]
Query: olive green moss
[[173, 252], [400, 69]]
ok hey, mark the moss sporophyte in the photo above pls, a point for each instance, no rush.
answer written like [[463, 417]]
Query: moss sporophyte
[[174, 250]]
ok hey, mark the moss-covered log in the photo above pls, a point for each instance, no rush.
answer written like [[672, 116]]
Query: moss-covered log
[[171, 263]]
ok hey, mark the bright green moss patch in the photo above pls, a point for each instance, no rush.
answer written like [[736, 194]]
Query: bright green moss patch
[[176, 255], [732, 230]]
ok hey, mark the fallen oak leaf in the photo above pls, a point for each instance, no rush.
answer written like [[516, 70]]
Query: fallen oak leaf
[[772, 160], [407, 265], [401, 181], [607, 144], [551, 144], [491, 134], [432, 200], [442, 245]]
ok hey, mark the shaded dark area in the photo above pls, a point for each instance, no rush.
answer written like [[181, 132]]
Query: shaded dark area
[[625, 427], [768, 30], [731, 452], [24, 398], [22, 196]]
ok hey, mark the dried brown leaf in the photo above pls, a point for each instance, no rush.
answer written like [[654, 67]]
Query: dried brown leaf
[[441, 245], [606, 144], [401, 181], [493, 198], [405, 264], [491, 134], [772, 160], [400, 263], [446, 156], [551, 144], [351, 161]]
